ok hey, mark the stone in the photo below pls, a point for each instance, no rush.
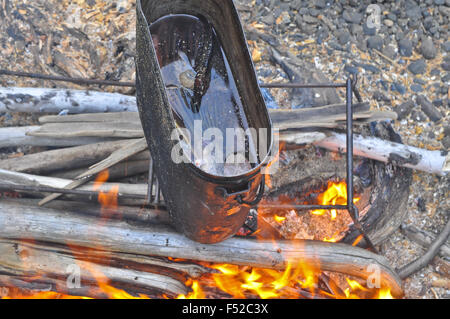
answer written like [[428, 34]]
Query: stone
[[310, 19], [404, 109], [414, 13], [389, 23], [398, 87], [369, 31], [320, 4], [416, 88], [418, 66], [428, 49], [375, 42], [428, 108], [445, 66], [351, 16], [446, 46], [357, 29], [343, 37], [405, 47], [268, 19], [389, 51], [446, 142]]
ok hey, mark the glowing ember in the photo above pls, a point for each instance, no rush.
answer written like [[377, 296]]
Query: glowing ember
[[279, 219]]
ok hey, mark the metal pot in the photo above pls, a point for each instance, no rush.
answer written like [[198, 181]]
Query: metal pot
[[205, 206]]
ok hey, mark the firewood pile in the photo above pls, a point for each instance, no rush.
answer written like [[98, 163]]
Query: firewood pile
[[76, 216]]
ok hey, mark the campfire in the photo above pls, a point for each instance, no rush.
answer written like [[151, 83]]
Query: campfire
[[104, 210], [276, 220], [298, 279]]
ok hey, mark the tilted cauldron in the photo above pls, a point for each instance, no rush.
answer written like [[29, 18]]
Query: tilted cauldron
[[194, 74]]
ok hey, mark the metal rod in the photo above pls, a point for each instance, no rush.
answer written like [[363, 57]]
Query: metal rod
[[302, 86], [67, 79], [349, 145], [132, 84], [150, 181], [302, 207]]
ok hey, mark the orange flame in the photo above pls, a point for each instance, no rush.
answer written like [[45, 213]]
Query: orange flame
[[336, 194], [268, 180], [196, 293]]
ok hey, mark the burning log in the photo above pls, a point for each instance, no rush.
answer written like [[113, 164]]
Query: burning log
[[54, 226], [30, 260], [21, 179], [46, 287]]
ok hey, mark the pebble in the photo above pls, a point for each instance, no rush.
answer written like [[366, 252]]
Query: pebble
[[398, 87], [375, 42], [351, 16], [404, 109], [445, 66], [418, 66], [405, 47], [446, 78], [435, 72], [351, 69], [389, 23], [343, 37], [428, 108], [416, 88], [446, 46], [428, 49], [369, 31], [446, 142]]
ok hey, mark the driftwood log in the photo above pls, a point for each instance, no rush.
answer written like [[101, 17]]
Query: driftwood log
[[23, 179], [43, 100], [20, 221], [19, 258], [108, 126], [18, 136], [62, 159]]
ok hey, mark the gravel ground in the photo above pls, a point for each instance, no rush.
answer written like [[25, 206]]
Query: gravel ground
[[403, 65]]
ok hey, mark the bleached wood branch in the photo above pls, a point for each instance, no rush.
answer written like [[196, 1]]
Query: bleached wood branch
[[435, 162], [15, 178], [18, 136], [115, 157], [66, 158], [43, 100]]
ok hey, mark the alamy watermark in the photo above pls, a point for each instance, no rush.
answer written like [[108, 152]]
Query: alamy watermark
[[228, 153]]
